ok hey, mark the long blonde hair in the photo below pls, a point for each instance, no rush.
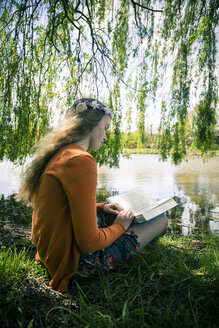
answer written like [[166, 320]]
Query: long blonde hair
[[73, 128]]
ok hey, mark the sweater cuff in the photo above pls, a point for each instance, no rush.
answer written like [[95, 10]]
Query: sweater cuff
[[99, 207], [120, 227]]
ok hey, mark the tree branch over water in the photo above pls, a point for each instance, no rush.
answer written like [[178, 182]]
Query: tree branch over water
[[120, 49]]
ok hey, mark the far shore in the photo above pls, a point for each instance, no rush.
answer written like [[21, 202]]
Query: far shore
[[152, 151]]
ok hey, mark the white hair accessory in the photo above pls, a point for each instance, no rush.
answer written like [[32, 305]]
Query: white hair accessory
[[81, 107]]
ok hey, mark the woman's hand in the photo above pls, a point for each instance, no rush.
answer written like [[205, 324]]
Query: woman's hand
[[112, 208], [125, 217]]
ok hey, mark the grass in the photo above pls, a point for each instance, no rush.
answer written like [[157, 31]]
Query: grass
[[173, 282], [129, 151]]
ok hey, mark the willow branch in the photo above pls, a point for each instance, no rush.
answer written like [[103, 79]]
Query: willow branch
[[144, 7], [88, 21], [22, 9], [67, 15], [135, 12]]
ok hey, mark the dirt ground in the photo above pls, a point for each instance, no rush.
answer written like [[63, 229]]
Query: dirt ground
[[13, 234]]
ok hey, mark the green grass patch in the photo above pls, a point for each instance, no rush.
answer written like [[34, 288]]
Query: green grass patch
[[15, 266], [173, 282], [129, 151], [17, 270], [169, 284]]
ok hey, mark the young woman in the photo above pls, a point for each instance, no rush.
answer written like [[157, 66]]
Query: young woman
[[70, 230]]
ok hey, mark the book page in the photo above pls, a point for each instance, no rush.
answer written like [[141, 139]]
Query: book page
[[134, 199], [157, 208], [142, 204]]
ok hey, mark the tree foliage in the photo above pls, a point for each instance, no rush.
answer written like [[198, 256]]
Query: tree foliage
[[53, 51]]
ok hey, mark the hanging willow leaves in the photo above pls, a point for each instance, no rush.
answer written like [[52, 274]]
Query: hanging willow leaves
[[53, 52], [192, 31]]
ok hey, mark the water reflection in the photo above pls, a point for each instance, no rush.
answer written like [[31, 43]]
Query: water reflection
[[194, 184], [200, 182]]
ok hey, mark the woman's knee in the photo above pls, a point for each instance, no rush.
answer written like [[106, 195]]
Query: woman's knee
[[150, 230], [164, 218]]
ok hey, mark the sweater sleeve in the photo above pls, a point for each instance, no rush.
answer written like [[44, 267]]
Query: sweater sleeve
[[79, 180]]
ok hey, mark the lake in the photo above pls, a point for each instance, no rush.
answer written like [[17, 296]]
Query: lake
[[194, 184]]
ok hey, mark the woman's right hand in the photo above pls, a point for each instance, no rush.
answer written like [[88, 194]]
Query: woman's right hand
[[125, 217]]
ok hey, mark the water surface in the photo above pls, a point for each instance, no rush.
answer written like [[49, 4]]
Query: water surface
[[194, 184]]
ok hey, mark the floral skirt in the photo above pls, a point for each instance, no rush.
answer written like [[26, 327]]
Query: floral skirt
[[111, 256]]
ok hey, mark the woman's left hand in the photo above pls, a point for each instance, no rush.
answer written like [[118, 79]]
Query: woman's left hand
[[112, 208]]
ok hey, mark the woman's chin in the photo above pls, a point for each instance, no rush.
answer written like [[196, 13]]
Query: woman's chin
[[94, 148]]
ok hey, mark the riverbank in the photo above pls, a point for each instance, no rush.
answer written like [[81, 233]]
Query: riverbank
[[173, 282], [129, 151]]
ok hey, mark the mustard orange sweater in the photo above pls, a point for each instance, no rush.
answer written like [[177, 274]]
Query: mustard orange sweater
[[64, 218]]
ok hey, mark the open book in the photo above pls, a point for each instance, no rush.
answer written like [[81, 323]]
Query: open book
[[142, 204]]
